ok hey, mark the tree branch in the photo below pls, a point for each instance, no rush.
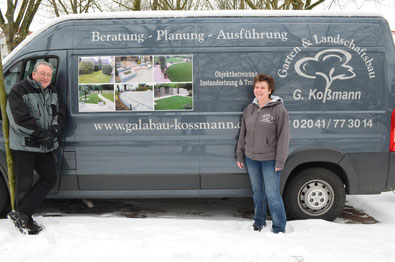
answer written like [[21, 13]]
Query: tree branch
[[21, 12], [55, 7], [97, 6], [122, 4], [251, 4], [2, 20], [28, 18], [314, 5], [73, 6]]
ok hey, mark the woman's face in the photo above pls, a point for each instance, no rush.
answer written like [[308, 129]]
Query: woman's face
[[261, 90]]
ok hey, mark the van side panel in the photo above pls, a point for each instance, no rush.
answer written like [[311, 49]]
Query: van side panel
[[371, 169], [328, 76], [334, 74]]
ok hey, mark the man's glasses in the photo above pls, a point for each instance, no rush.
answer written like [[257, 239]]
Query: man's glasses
[[44, 74]]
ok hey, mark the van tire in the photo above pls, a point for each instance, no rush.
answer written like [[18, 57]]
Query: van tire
[[314, 193], [4, 198]]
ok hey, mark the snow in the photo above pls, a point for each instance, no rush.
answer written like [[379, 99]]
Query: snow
[[195, 238]]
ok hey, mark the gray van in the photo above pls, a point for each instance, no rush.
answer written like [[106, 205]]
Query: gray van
[[154, 103]]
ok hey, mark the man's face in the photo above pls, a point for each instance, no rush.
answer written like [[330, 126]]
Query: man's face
[[43, 75]]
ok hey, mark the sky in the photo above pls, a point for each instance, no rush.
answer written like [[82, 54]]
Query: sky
[[386, 7]]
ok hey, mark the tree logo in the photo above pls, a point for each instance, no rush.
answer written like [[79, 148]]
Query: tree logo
[[332, 64]]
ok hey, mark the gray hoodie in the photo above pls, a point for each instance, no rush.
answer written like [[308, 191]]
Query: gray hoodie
[[264, 132]]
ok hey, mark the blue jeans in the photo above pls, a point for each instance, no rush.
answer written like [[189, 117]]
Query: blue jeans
[[265, 182]]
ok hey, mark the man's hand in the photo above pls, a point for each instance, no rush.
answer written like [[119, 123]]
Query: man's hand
[[240, 164], [47, 139]]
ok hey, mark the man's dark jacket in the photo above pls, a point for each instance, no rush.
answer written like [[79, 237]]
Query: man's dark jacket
[[33, 112]]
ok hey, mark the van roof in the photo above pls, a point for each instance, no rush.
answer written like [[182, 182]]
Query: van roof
[[175, 14]]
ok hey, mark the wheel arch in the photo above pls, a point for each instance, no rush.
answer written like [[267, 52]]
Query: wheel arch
[[328, 158]]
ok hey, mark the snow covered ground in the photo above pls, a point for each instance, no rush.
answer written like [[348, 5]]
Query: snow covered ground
[[219, 237]]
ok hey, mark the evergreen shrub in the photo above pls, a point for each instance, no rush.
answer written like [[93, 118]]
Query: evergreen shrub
[[107, 69], [86, 67]]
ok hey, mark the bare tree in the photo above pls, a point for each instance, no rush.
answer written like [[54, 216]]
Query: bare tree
[[137, 5], [66, 7], [358, 4], [17, 20], [177, 4], [6, 132], [268, 4], [130, 5], [229, 4]]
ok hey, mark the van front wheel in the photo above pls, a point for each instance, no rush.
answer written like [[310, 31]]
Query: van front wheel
[[314, 193]]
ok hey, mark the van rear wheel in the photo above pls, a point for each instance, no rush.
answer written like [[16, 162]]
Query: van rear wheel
[[4, 198], [314, 193]]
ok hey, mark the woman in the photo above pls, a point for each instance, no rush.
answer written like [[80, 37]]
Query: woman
[[263, 144]]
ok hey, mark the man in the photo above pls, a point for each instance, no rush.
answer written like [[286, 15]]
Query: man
[[37, 115]]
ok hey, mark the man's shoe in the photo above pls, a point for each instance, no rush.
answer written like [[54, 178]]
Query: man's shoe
[[20, 221], [23, 223], [256, 228], [34, 228]]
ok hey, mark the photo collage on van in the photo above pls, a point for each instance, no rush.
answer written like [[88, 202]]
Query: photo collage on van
[[135, 83]]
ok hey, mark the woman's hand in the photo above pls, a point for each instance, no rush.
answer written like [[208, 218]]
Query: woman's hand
[[277, 169], [240, 164]]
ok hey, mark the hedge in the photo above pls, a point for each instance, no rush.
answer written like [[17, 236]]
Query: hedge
[[107, 69], [97, 67], [86, 67]]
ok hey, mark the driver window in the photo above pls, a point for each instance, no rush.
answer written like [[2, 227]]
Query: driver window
[[11, 77]]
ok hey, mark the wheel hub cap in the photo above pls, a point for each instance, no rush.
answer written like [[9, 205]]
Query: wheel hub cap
[[316, 197]]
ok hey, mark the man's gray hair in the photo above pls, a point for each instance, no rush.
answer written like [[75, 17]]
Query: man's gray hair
[[44, 63]]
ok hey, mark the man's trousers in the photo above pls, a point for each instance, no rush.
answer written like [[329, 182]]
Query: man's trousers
[[29, 197]]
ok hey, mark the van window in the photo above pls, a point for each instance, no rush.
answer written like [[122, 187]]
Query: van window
[[11, 77], [29, 66]]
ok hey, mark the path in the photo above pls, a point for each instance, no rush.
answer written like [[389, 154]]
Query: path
[[87, 107], [138, 100], [108, 102], [143, 75], [159, 77]]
